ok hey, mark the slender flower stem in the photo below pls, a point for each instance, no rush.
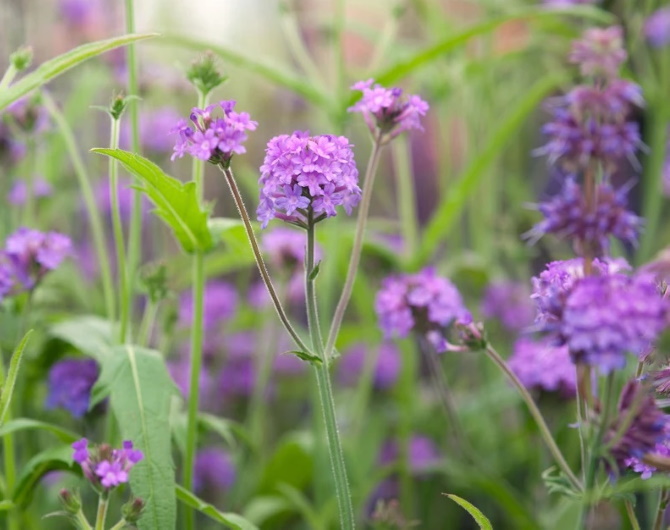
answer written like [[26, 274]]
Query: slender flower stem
[[103, 503], [196, 366], [82, 522], [244, 214], [630, 511], [198, 166], [135, 231], [537, 416], [8, 76], [119, 240], [663, 500], [99, 239], [347, 518], [120, 525], [406, 196], [355, 258]]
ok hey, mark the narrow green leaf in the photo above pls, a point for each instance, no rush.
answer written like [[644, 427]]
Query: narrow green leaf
[[226, 428], [302, 505], [278, 74], [23, 424], [9, 383], [314, 359], [176, 203], [453, 203], [315, 271], [232, 520], [54, 458], [140, 390], [58, 65], [91, 335], [478, 516]]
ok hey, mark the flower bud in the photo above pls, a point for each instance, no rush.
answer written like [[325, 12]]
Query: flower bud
[[204, 75], [21, 58], [70, 501], [132, 510]]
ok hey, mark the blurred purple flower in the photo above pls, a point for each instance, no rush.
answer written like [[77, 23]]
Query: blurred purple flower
[[423, 302], [180, 371], [70, 384], [286, 247], [600, 52], [542, 364], [220, 304], [423, 454], [6, 280], [79, 13], [126, 198], [19, 192], [104, 466], [657, 28], [510, 303], [301, 172], [645, 470], [28, 115], [213, 140], [155, 125], [387, 110], [385, 371], [237, 378], [11, 149], [214, 470]]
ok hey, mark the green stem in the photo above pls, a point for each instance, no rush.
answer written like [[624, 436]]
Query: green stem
[[8, 76], [630, 511], [148, 321], [198, 166], [663, 500], [406, 396], [120, 525], [135, 230], [347, 518], [406, 196], [119, 241], [103, 503], [196, 365], [13, 518], [244, 215], [354, 260], [82, 522], [537, 416], [99, 239]]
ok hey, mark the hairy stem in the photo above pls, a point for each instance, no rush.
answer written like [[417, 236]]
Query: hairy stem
[[663, 500], [103, 503]]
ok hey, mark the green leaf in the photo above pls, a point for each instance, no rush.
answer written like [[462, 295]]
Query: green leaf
[[6, 505], [176, 203], [314, 359], [58, 65], [315, 271], [9, 383], [290, 464], [140, 390], [299, 501], [478, 516], [263, 508], [22, 424], [451, 207], [226, 428], [278, 74], [54, 458], [232, 520], [91, 335]]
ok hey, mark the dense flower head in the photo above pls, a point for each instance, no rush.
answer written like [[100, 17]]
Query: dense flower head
[[510, 303], [386, 369], [541, 364], [657, 28], [646, 470], [213, 139], [103, 466], [387, 109], [600, 51], [18, 195], [424, 302], [568, 216], [647, 427], [213, 470], [303, 174], [220, 304], [70, 384], [286, 247]]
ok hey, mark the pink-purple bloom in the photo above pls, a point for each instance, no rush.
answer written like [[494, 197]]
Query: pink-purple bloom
[[286, 248], [214, 470], [543, 365], [70, 384], [386, 368], [304, 178], [220, 304], [213, 139], [155, 126], [19, 192], [103, 466], [424, 302], [510, 303], [600, 51], [657, 28], [387, 110], [423, 454]]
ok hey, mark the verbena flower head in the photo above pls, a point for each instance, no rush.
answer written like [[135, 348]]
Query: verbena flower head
[[70, 384], [657, 28], [213, 139], [647, 428], [600, 52], [568, 216], [541, 364], [424, 302], [302, 173], [220, 304], [386, 368], [19, 192], [213, 470], [387, 110], [510, 303], [645, 470], [104, 467]]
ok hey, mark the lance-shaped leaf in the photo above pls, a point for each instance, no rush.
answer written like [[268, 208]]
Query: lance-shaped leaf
[[9, 383], [479, 517], [58, 65], [176, 203], [140, 389], [230, 520]]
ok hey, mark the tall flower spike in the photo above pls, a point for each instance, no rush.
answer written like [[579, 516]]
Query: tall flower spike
[[302, 172], [213, 139], [387, 109]]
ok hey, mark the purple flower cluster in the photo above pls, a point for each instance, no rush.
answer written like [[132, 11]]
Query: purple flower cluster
[[542, 364], [286, 248], [306, 177], [387, 110], [657, 28], [600, 52], [645, 470], [424, 302], [568, 216], [214, 470], [220, 304], [385, 371], [510, 303], [423, 454], [103, 466], [19, 192], [70, 384], [29, 255], [152, 125], [213, 139]]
